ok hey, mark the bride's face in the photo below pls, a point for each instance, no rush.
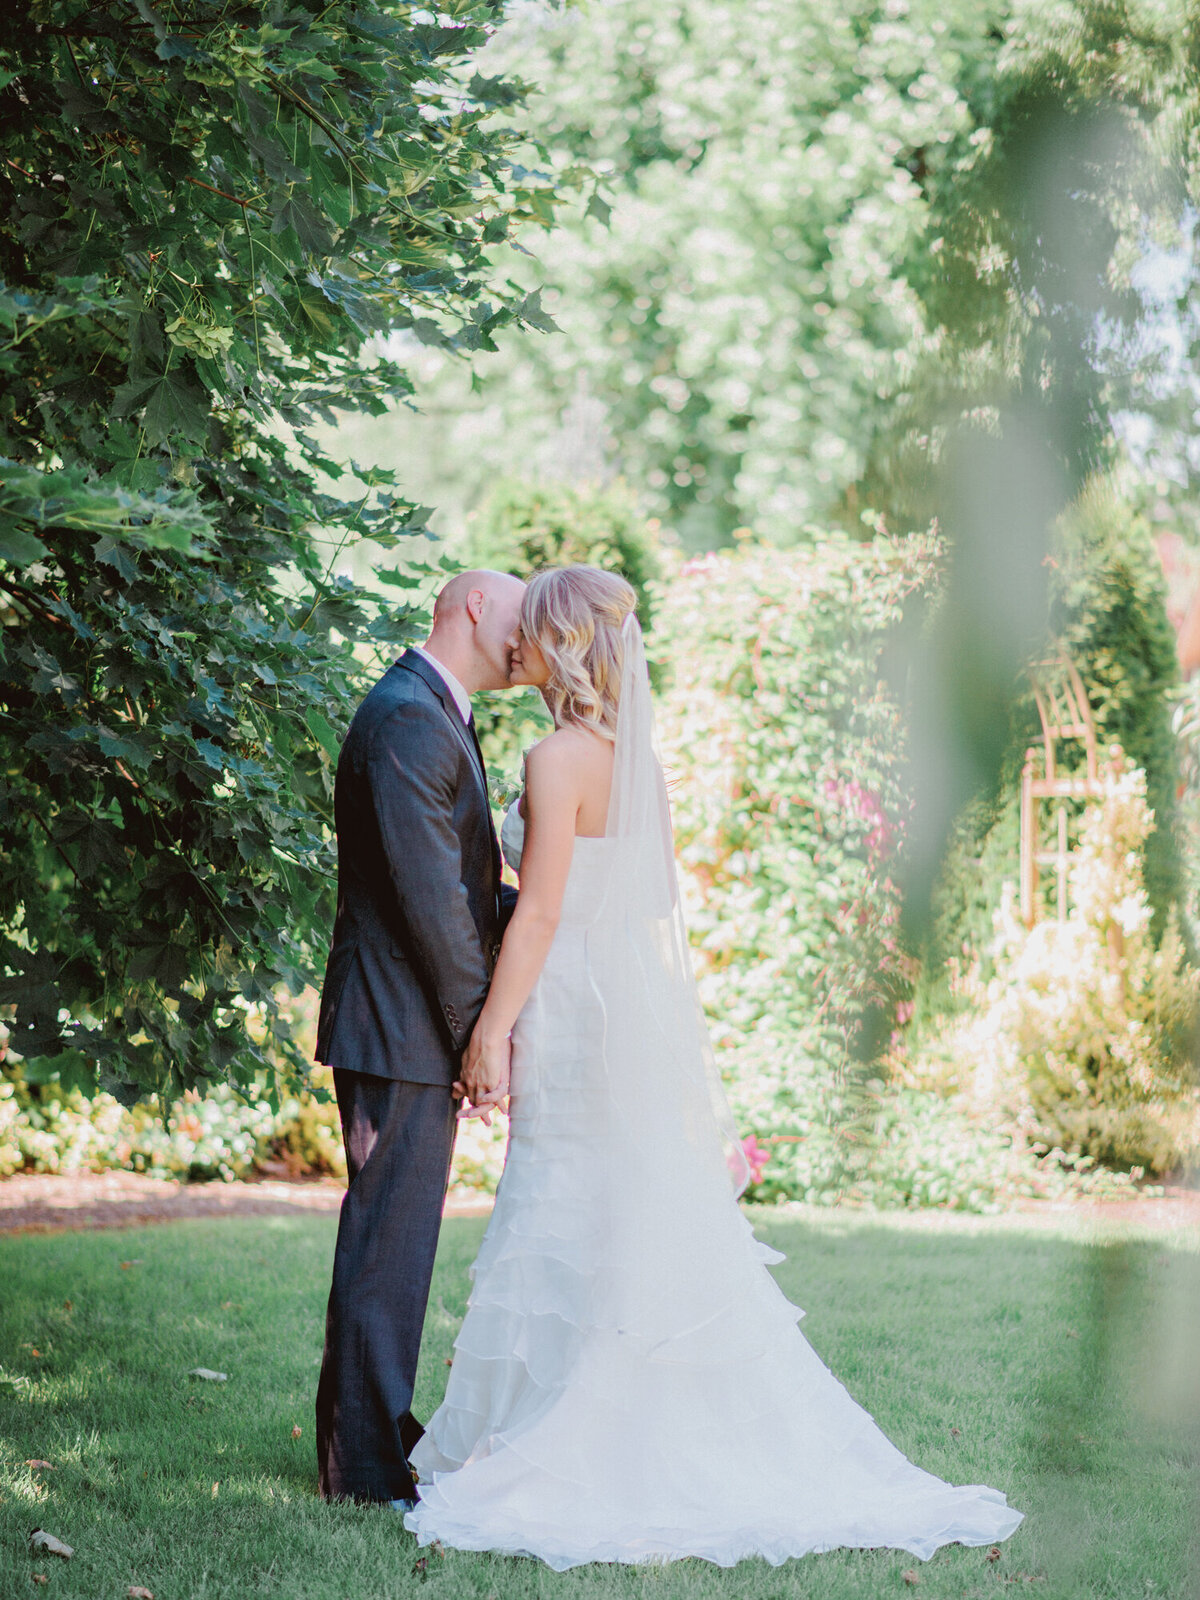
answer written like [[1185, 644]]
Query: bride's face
[[528, 664]]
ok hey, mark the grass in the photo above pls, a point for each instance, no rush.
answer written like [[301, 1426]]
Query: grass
[[1062, 1369]]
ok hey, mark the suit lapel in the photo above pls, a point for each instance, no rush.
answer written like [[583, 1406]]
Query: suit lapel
[[478, 748], [497, 861], [465, 736]]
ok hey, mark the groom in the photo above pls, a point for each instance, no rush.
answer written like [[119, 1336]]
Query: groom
[[418, 928]]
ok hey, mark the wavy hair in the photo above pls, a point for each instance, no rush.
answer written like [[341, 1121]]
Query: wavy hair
[[574, 616]]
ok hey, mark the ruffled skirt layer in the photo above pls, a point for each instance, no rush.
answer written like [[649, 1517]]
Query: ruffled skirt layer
[[629, 1383]]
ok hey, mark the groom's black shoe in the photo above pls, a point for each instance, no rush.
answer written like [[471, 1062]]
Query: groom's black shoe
[[403, 1488], [411, 1433]]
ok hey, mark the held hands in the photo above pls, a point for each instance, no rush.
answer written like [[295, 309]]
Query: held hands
[[485, 1069]]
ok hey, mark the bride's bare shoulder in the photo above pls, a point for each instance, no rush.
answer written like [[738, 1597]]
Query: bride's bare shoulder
[[570, 753]]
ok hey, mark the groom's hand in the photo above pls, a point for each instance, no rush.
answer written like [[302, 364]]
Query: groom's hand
[[485, 1067]]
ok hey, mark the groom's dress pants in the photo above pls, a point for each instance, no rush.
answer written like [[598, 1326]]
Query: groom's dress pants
[[399, 1137]]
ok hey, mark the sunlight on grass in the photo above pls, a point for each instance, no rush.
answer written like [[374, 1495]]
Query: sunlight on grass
[[1056, 1363]]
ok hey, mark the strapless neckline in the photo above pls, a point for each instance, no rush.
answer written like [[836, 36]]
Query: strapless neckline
[[512, 836]]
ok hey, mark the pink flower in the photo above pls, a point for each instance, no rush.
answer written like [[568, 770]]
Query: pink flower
[[706, 562], [863, 804], [756, 1156]]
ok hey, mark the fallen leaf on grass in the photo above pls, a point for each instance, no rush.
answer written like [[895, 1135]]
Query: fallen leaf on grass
[[41, 1466], [209, 1375], [136, 1262], [911, 1576], [68, 1305], [956, 1433], [216, 1486], [39, 1539], [39, 1577], [297, 1430], [136, 1592], [420, 1567], [1071, 1333], [994, 1553], [449, 1361]]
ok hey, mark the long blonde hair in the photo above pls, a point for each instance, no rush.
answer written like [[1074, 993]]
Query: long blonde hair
[[574, 616]]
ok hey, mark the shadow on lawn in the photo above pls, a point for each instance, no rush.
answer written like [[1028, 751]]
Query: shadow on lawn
[[1134, 1354], [1106, 1447]]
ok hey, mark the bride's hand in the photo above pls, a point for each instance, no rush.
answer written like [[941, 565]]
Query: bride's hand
[[485, 1070]]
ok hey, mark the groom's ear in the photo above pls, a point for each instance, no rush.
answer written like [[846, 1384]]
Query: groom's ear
[[473, 604]]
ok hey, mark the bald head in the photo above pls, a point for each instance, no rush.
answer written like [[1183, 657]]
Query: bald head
[[474, 619], [457, 592]]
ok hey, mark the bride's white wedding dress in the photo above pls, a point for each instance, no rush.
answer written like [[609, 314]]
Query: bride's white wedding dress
[[629, 1383]]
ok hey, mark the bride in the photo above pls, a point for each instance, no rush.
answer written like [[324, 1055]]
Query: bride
[[630, 1383]]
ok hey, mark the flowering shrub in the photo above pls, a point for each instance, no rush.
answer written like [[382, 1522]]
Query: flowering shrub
[[922, 1143], [784, 751], [784, 755], [217, 1135], [1082, 1036], [214, 1136], [479, 1155]]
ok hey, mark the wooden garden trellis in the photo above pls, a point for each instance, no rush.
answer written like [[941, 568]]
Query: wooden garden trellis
[[1065, 713]]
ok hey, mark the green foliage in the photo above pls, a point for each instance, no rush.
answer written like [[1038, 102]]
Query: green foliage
[[1185, 722], [1107, 607], [786, 763], [524, 526], [208, 218], [784, 752], [1082, 1033], [1106, 1028], [821, 235], [784, 746]]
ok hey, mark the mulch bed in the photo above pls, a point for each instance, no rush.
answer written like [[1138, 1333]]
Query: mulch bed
[[37, 1202]]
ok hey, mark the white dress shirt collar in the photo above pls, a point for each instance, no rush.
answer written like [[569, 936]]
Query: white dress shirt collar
[[461, 698]]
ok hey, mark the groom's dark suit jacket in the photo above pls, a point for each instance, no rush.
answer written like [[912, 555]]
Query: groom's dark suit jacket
[[419, 914]]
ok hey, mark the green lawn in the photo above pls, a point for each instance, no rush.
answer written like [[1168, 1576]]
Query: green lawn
[[1062, 1370]]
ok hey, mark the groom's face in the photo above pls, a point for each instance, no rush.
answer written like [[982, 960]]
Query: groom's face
[[495, 625]]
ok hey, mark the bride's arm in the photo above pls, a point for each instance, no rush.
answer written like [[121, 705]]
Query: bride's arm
[[553, 792]]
